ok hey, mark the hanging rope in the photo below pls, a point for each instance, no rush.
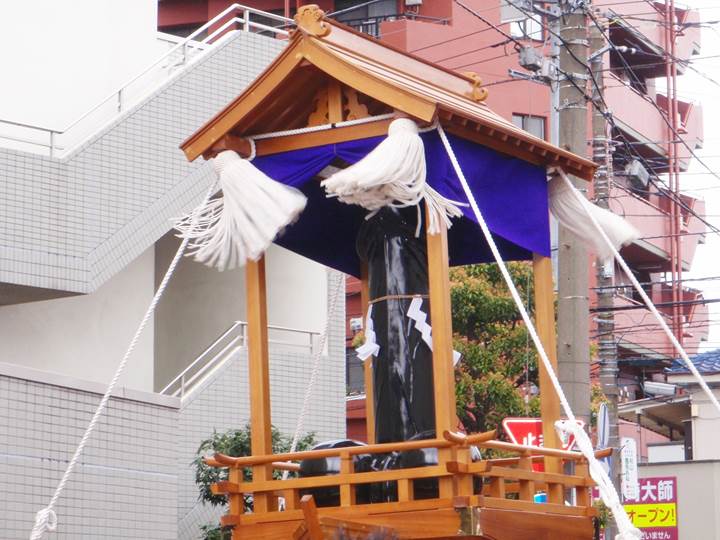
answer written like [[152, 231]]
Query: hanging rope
[[627, 530], [646, 299], [332, 306], [46, 519]]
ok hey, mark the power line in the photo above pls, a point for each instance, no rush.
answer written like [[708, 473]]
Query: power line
[[659, 305], [662, 114], [545, 26], [483, 19], [708, 278]]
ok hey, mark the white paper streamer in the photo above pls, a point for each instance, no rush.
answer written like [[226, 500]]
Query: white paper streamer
[[370, 347], [420, 317]]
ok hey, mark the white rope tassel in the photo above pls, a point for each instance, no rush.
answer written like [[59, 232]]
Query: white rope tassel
[[574, 213], [242, 224], [627, 530], [393, 174], [649, 303]]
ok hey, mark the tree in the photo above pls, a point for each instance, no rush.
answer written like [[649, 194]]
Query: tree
[[499, 363], [235, 443]]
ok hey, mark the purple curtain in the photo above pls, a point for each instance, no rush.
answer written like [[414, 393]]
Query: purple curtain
[[511, 194]]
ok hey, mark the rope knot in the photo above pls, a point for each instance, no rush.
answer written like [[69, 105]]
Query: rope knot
[[45, 520]]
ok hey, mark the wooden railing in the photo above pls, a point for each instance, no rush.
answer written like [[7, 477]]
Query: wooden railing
[[507, 483]]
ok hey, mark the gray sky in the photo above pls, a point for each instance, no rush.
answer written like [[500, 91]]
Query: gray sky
[[693, 87]]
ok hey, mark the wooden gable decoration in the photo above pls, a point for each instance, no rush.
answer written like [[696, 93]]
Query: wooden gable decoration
[[329, 73]]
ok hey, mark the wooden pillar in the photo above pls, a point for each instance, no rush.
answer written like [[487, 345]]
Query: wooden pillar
[[259, 377], [335, 108], [367, 365], [441, 320], [545, 324]]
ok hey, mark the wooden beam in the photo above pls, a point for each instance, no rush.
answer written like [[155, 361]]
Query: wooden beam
[[223, 122], [368, 364], [375, 87], [505, 144], [312, 523], [545, 324], [259, 376], [441, 319], [319, 138], [335, 106]]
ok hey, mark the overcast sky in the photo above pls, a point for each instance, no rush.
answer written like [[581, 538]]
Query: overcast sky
[[698, 181]]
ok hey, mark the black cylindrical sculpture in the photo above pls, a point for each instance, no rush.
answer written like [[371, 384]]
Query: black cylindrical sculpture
[[402, 370]]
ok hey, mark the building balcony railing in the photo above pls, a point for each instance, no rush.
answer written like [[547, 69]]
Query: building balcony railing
[[641, 118], [638, 334], [650, 215], [641, 25], [371, 25]]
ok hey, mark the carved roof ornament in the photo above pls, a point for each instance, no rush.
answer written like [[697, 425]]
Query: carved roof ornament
[[478, 93], [309, 18]]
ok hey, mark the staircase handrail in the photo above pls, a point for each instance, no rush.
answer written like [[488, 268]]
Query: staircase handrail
[[235, 336], [189, 41]]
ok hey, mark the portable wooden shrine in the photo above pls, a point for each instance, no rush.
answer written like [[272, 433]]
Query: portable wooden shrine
[[322, 105]]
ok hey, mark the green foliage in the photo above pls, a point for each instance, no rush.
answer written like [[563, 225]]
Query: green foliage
[[495, 345], [235, 443], [214, 532]]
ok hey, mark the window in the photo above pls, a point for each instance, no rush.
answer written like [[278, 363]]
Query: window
[[354, 372], [509, 12], [521, 26], [528, 28], [534, 125], [381, 8]]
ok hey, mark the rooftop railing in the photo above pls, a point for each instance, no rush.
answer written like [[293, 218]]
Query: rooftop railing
[[371, 25], [236, 17]]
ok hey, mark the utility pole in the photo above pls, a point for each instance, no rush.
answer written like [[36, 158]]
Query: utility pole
[[607, 347], [573, 280]]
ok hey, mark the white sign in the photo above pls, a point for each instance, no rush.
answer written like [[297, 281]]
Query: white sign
[[629, 468]]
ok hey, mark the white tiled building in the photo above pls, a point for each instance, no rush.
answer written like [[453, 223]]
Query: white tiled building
[[84, 241]]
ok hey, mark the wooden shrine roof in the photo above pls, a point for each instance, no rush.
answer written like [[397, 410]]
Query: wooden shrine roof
[[385, 78]]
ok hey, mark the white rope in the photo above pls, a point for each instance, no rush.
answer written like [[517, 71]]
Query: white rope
[[607, 491], [334, 296], [46, 519], [648, 302]]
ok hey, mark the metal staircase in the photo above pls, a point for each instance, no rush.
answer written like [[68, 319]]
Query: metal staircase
[[222, 350], [91, 209]]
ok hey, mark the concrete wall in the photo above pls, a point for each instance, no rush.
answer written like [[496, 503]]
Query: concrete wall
[[705, 426], [222, 403], [125, 485], [698, 491], [86, 336], [72, 223], [200, 303]]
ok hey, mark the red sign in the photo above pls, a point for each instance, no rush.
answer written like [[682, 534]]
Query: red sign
[[528, 432]]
